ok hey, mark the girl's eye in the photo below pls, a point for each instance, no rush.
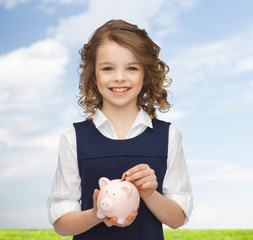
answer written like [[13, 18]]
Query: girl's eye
[[107, 69], [132, 68]]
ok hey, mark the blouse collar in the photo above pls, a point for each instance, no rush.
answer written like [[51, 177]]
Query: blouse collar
[[142, 118]]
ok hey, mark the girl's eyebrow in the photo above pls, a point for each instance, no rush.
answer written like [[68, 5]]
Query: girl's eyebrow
[[134, 63], [104, 63], [130, 63]]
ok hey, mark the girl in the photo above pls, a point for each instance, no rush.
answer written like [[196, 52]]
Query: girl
[[121, 85]]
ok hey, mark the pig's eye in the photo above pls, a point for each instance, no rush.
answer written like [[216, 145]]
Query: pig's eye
[[114, 194], [106, 191]]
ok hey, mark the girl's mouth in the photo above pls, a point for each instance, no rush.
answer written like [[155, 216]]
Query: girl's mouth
[[120, 90]]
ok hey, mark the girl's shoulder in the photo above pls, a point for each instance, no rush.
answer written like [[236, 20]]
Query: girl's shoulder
[[174, 132], [68, 133], [68, 137], [175, 135]]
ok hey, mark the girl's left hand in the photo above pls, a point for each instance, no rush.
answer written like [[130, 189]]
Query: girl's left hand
[[144, 178], [109, 222]]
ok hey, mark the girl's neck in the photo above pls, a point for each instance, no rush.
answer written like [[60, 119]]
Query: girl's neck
[[121, 119]]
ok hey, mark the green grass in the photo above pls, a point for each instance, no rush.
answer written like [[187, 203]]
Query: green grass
[[209, 234], [30, 235], [169, 234]]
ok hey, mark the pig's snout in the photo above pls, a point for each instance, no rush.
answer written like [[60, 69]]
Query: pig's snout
[[106, 204]]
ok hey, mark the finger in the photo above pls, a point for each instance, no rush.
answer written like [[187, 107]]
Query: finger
[[137, 168], [141, 174], [149, 185], [144, 180], [110, 221], [107, 222], [129, 220]]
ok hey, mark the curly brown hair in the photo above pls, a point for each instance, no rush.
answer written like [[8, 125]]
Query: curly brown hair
[[153, 94]]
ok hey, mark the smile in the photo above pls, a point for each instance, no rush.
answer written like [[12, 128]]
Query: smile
[[122, 89], [119, 90]]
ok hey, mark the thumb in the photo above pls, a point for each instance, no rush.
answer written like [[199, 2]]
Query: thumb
[[95, 198], [95, 194]]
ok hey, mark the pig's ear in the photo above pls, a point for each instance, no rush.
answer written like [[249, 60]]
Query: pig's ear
[[103, 182], [126, 189]]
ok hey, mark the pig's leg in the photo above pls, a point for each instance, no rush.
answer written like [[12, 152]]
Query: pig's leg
[[100, 215], [121, 221]]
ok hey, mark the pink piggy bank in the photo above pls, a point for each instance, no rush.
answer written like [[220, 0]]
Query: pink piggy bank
[[117, 198]]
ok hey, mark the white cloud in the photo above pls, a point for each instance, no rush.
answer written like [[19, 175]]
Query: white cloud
[[46, 141], [225, 58], [228, 168], [247, 95], [25, 218], [222, 194], [244, 175], [167, 18], [30, 78], [225, 173], [216, 77], [10, 4], [65, 1], [217, 170], [50, 6], [29, 74], [231, 215], [75, 30], [172, 116], [27, 163], [6, 138], [203, 162]]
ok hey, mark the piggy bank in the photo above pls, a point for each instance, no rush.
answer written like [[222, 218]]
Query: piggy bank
[[117, 198]]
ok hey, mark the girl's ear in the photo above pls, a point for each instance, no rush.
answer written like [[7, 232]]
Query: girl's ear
[[103, 182]]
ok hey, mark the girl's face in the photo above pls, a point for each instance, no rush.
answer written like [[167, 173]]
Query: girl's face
[[119, 75]]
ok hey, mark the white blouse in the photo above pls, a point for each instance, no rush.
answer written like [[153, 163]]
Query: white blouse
[[66, 190]]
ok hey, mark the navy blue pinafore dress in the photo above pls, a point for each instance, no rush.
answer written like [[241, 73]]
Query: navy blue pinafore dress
[[99, 156]]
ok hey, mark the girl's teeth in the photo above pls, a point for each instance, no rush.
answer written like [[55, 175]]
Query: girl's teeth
[[119, 89]]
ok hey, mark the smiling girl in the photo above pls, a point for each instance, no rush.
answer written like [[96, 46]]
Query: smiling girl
[[122, 83]]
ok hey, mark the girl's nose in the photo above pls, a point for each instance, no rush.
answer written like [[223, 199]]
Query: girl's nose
[[119, 76]]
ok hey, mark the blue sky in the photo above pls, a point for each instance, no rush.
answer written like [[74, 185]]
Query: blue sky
[[208, 46]]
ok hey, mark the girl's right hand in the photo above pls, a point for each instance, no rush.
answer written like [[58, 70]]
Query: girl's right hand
[[109, 222]]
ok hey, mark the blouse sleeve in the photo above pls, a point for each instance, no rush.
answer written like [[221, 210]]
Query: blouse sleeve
[[66, 190], [176, 185]]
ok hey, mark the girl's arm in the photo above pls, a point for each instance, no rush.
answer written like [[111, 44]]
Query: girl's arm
[[64, 208], [174, 207], [76, 222], [166, 210]]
